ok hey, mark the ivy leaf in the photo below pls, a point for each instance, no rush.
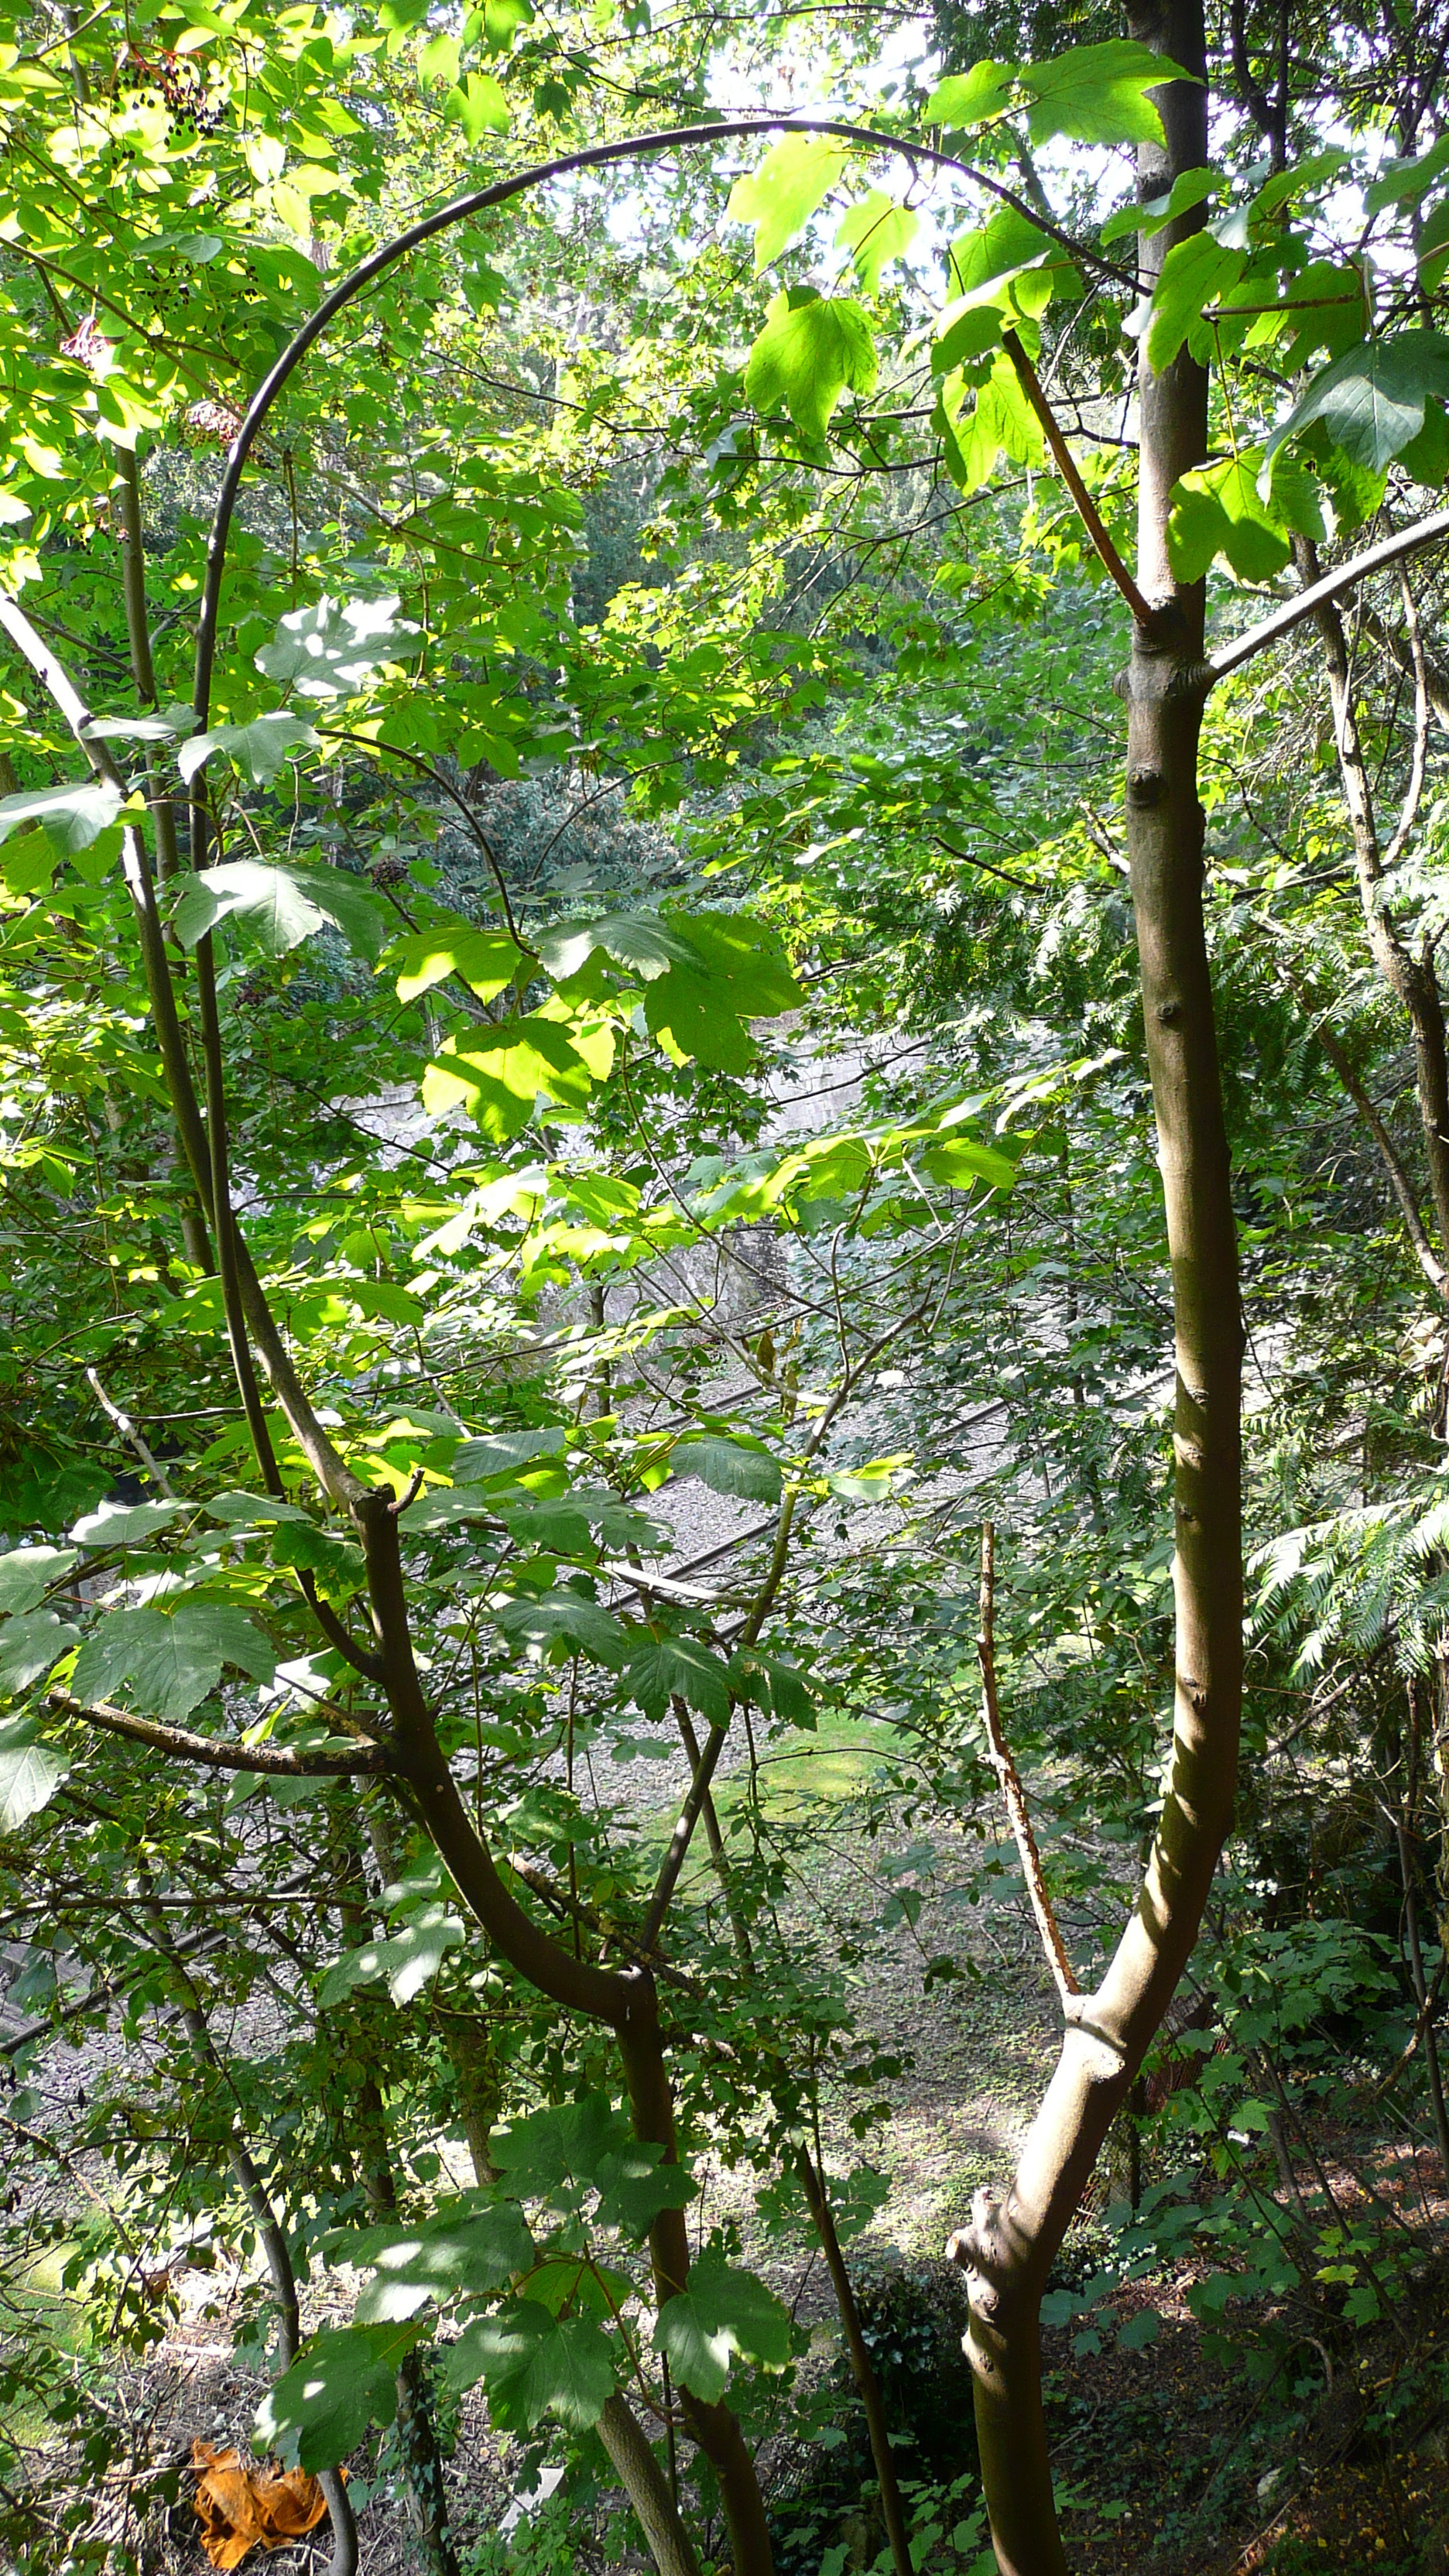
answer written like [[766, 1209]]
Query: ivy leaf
[[812, 348], [30, 1773], [333, 649], [73, 816], [781, 196], [29, 1646], [533, 2364], [26, 1574], [875, 232], [487, 960], [460, 2250], [1099, 93], [259, 749], [728, 1467], [719, 2314], [170, 1662], [565, 1619], [327, 2400], [409, 1959], [479, 106], [660, 1666], [1372, 400]]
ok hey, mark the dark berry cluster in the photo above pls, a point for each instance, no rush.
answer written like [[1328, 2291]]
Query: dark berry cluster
[[389, 872], [182, 87], [212, 424]]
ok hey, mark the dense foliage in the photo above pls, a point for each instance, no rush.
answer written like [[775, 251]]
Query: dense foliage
[[578, 1155]]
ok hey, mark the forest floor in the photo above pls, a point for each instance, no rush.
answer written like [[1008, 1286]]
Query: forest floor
[[1172, 2461]]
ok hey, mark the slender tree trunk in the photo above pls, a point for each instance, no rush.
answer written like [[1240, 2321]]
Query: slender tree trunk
[[1010, 2242]]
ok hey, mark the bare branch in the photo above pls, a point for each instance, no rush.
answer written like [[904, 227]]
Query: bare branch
[[1087, 510], [1010, 1779], [272, 1759], [1269, 630]]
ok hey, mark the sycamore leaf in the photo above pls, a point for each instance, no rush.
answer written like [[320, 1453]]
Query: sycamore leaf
[[124, 1524], [738, 972], [1099, 93], [719, 2314], [499, 1073], [279, 906], [1221, 509], [781, 196], [502, 20], [29, 1645], [969, 98], [169, 1663], [487, 960], [533, 2364], [1190, 188], [73, 816], [773, 1684], [409, 1959], [638, 941], [811, 350], [333, 649], [635, 2185], [26, 1574], [258, 749], [658, 1667], [461, 2249], [30, 1773], [876, 232], [559, 2153], [327, 2400], [479, 106], [728, 1466], [1196, 273], [565, 1620], [1372, 400]]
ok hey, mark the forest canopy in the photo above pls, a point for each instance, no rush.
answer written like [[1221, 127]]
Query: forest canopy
[[724, 1183]]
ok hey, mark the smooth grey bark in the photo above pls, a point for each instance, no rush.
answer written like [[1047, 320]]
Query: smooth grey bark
[[1009, 2244]]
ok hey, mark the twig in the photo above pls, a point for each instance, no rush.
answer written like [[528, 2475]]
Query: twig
[[129, 1432], [1087, 509], [271, 1759], [1010, 1779]]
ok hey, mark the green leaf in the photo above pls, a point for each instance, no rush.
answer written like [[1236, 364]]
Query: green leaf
[[498, 1074], [969, 98], [279, 906], [438, 58], [983, 262], [124, 1524], [169, 1663], [409, 1959], [719, 2314], [332, 650], [460, 2251], [1218, 509], [811, 350], [702, 1007], [875, 232], [259, 749], [1140, 2330], [772, 1683], [1404, 183], [30, 1773], [26, 1574], [565, 1620], [501, 21], [29, 1645], [1099, 93], [660, 1666], [479, 106], [487, 960], [635, 2185], [728, 1466], [1371, 401], [1196, 272], [638, 941], [533, 2364], [73, 816], [1190, 188], [781, 196], [560, 2153], [327, 2400]]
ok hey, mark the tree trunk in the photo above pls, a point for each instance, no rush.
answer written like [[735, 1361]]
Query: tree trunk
[[1010, 2243]]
